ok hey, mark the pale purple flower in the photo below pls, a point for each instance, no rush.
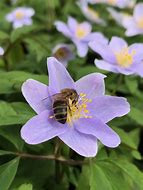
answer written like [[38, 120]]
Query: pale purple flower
[[80, 34], [64, 53], [91, 14], [117, 3], [1, 51], [117, 56], [134, 24], [20, 16], [119, 17], [86, 120]]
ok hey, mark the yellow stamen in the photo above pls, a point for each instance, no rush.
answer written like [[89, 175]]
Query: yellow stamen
[[124, 57], [80, 32], [19, 15], [78, 110]]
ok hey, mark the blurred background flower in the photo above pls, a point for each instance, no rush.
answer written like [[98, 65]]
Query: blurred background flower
[[63, 53], [20, 16]]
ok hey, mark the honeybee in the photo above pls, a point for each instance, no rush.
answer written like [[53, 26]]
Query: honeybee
[[61, 103]]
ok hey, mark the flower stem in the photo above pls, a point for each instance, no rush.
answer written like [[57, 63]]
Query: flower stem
[[119, 81], [61, 159]]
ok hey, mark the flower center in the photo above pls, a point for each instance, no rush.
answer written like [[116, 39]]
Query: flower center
[[19, 15], [79, 109], [124, 58], [111, 2], [93, 13], [80, 32], [61, 53], [140, 23]]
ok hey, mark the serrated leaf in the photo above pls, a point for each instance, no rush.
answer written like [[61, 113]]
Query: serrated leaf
[[7, 173]]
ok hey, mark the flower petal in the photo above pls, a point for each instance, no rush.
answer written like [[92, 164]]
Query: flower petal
[[106, 66], [59, 78], [72, 24], [41, 128], [138, 49], [85, 145], [82, 48], [100, 130], [103, 50], [63, 28], [117, 44], [97, 36], [107, 108], [92, 85], [36, 95], [138, 11]]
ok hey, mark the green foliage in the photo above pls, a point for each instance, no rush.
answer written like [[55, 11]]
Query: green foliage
[[7, 173], [26, 51]]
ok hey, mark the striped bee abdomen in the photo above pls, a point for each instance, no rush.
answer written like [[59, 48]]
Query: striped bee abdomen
[[60, 110]]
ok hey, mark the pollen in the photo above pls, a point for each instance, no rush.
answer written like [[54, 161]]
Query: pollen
[[79, 109], [19, 15], [80, 32], [140, 23], [124, 57]]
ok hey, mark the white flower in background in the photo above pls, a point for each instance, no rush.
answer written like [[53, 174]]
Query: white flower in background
[[90, 14], [117, 3], [119, 17], [1, 51], [134, 23], [20, 16], [63, 53]]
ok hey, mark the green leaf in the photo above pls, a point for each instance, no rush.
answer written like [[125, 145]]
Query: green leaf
[[14, 113], [11, 82], [25, 187], [3, 36], [98, 179], [3, 152], [132, 172], [7, 173], [125, 138], [136, 115], [22, 32], [38, 47]]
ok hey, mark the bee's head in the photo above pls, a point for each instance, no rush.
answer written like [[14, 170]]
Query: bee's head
[[70, 93]]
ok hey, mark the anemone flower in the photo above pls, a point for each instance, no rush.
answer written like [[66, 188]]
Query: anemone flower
[[134, 24], [20, 16], [117, 56], [1, 51], [80, 34], [64, 53], [86, 117]]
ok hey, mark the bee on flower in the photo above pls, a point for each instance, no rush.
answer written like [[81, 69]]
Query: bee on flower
[[76, 112], [20, 16]]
